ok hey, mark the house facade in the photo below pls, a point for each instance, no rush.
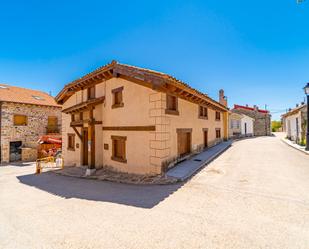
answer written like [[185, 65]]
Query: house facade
[[262, 119], [240, 125], [294, 123], [136, 120], [25, 115]]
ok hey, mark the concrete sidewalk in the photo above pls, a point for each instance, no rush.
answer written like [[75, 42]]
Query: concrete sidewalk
[[295, 145], [187, 168]]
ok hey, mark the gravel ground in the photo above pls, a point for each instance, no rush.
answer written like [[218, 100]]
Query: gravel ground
[[255, 195]]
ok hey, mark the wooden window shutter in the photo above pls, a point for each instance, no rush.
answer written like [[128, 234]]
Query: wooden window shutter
[[20, 120]]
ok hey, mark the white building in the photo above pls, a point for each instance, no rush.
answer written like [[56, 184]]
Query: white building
[[240, 125], [294, 123]]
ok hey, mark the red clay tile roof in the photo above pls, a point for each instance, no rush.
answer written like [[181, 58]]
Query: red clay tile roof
[[26, 96], [114, 65], [249, 108]]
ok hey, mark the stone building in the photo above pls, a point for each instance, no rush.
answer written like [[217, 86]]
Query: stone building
[[137, 120], [25, 115], [262, 119]]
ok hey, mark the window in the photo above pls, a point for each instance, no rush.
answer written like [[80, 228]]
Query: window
[[117, 97], [235, 124], [52, 124], [52, 121], [20, 120], [218, 116], [203, 112], [71, 141], [171, 105], [91, 92], [119, 149], [37, 97], [218, 133]]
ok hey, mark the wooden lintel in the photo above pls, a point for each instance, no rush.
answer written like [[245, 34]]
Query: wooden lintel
[[130, 128]]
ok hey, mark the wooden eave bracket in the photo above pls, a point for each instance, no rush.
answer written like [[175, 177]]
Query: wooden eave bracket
[[77, 133]]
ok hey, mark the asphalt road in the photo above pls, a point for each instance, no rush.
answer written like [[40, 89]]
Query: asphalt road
[[255, 195]]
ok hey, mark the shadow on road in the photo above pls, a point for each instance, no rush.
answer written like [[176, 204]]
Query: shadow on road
[[68, 187]]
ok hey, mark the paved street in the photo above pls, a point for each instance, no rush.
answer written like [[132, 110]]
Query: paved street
[[255, 195]]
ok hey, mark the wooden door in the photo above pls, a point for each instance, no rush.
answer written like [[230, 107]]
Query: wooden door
[[205, 139], [184, 143], [85, 146]]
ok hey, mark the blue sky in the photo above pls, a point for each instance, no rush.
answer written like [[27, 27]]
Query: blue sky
[[258, 51]]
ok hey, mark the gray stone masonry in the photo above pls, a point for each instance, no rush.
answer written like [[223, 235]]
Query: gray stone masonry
[[262, 121], [29, 134]]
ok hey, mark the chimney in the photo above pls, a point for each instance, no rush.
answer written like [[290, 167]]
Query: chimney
[[256, 107], [297, 105], [222, 98]]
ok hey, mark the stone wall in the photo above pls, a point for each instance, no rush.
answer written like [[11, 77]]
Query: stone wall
[[37, 117], [262, 121]]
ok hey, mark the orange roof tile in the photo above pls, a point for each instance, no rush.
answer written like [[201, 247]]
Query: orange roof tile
[[136, 70], [26, 96]]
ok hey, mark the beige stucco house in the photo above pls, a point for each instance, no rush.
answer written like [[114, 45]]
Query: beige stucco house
[[25, 115], [136, 120]]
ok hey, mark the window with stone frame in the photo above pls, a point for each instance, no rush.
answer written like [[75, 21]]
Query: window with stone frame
[[119, 148], [171, 104], [117, 97], [218, 116], [203, 112], [218, 133], [20, 120], [71, 141]]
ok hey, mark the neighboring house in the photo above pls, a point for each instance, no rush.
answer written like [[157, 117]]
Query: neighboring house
[[136, 120], [240, 125], [294, 123], [234, 124], [262, 119], [25, 115]]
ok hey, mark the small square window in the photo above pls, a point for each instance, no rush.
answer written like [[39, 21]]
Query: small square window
[[218, 133], [203, 112], [171, 105], [117, 97], [91, 92], [71, 141], [218, 116], [20, 120], [119, 149]]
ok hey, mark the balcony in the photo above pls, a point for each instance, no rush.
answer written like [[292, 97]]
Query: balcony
[[53, 129]]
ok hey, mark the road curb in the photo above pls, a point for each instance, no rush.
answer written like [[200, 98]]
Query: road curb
[[204, 164], [285, 142]]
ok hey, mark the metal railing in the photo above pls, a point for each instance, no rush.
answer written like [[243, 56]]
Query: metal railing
[[48, 162]]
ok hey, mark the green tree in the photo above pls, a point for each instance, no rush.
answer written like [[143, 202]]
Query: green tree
[[275, 125]]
